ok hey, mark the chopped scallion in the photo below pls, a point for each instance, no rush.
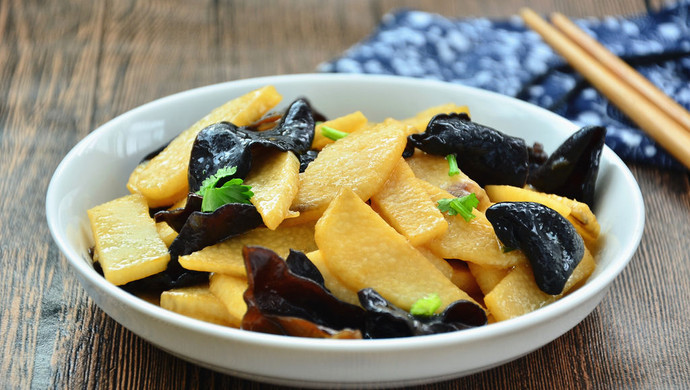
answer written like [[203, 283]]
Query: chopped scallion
[[452, 165], [332, 133]]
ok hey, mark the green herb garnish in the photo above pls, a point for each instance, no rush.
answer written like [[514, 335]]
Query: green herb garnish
[[332, 133], [232, 191], [459, 206], [452, 165], [426, 306]]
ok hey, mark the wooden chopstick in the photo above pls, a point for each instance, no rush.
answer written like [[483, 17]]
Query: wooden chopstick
[[669, 133], [622, 70]]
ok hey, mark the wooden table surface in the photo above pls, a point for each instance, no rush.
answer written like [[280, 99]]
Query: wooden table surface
[[68, 66]]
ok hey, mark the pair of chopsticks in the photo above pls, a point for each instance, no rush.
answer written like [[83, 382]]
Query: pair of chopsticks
[[660, 116]]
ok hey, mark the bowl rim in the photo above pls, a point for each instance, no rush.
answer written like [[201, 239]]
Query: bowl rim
[[570, 302]]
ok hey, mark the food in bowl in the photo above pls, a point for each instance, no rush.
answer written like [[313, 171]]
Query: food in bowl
[[377, 245]]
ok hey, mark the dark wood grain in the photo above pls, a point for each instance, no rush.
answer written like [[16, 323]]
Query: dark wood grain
[[67, 67]]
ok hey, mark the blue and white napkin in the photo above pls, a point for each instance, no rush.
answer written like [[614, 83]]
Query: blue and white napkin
[[507, 57]]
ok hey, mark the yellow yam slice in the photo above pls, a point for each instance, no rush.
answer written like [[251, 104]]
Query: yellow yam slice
[[163, 179], [419, 122], [518, 293], [274, 179], [337, 288], [406, 206], [487, 277], [434, 169], [196, 302], [581, 273], [474, 241], [347, 123], [179, 204], [361, 162], [591, 239], [463, 278], [580, 212], [166, 233], [583, 219], [503, 193], [226, 257], [230, 291], [364, 251], [441, 264], [127, 241]]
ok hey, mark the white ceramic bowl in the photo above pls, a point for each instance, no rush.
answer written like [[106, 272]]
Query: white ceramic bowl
[[97, 169]]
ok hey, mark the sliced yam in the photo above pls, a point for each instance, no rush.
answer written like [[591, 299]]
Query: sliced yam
[[336, 287], [419, 122], [163, 179], [230, 290], [463, 278], [226, 257], [365, 252], [581, 273], [487, 277], [474, 241], [583, 219], [406, 206], [361, 162], [166, 233], [347, 123], [434, 169], [441, 264], [591, 239], [196, 302], [128, 246], [504, 193], [518, 293], [274, 179], [179, 204], [580, 212]]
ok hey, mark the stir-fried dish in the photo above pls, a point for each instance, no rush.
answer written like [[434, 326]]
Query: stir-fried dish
[[291, 223]]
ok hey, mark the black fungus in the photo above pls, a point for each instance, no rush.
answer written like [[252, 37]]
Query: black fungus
[[197, 230], [550, 242], [226, 145], [572, 170], [275, 293], [409, 149], [486, 155], [289, 297], [306, 158], [217, 146], [299, 264], [203, 229], [173, 277], [176, 218], [294, 132], [385, 320]]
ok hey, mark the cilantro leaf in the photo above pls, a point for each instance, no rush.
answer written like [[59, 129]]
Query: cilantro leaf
[[332, 133], [232, 191], [212, 181], [452, 165], [426, 306], [462, 206]]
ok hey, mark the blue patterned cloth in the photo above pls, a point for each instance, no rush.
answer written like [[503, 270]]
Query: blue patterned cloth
[[506, 57]]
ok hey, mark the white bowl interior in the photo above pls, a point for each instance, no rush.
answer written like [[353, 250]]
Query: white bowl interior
[[97, 169]]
